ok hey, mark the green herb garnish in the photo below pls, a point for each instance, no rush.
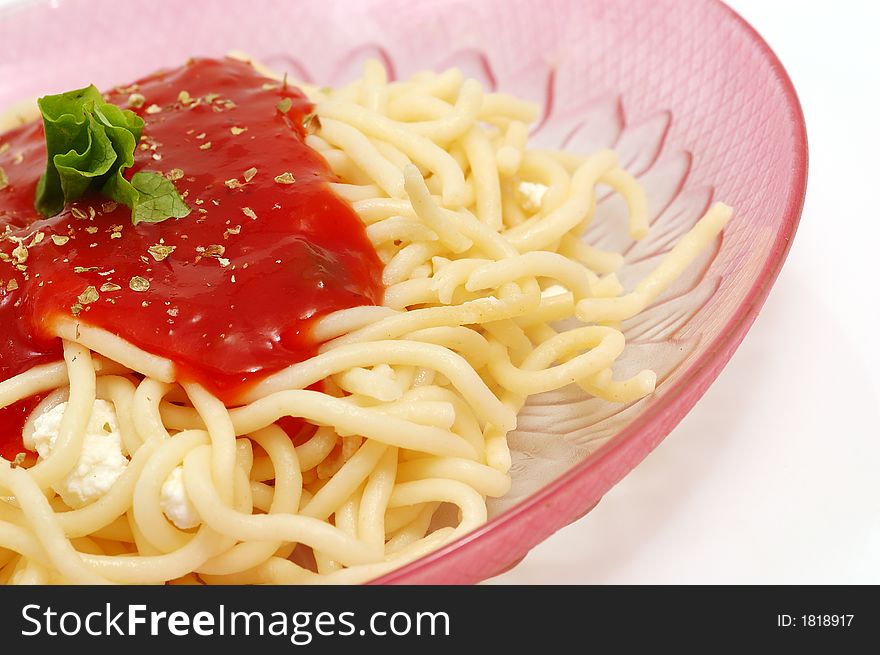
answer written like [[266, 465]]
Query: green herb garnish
[[90, 144]]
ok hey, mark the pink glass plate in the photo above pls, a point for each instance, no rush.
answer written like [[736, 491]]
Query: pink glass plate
[[689, 95]]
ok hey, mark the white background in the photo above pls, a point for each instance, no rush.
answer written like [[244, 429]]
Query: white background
[[774, 477]]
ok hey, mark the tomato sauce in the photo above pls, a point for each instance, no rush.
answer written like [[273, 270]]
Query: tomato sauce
[[228, 293]]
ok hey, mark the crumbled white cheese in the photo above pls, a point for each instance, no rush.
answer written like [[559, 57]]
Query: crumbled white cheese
[[101, 460], [176, 503], [531, 195]]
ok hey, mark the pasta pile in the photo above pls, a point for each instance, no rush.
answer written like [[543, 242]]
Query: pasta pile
[[481, 241]]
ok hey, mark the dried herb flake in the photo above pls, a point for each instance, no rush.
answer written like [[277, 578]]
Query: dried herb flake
[[138, 283]]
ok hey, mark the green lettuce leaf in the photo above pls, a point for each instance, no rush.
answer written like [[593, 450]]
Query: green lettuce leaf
[[66, 130], [157, 199], [90, 144]]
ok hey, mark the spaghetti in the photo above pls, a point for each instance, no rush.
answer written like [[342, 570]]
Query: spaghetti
[[313, 436]]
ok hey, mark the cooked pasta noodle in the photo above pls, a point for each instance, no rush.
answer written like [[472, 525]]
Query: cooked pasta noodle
[[480, 237]]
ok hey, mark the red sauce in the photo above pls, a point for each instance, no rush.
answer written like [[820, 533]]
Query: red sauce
[[253, 265], [12, 419]]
